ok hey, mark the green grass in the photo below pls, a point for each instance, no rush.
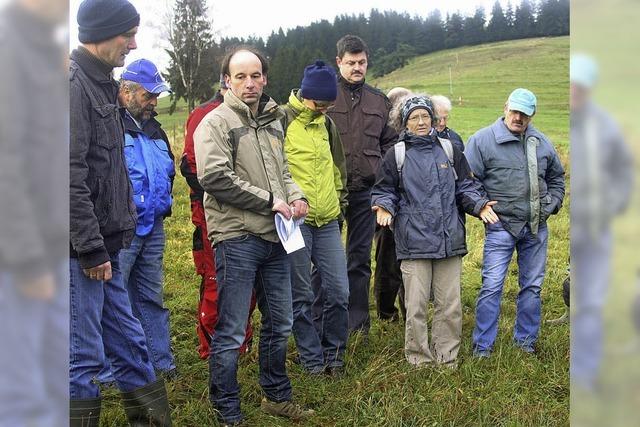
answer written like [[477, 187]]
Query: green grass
[[380, 388]]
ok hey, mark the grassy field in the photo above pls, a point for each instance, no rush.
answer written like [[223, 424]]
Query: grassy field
[[380, 388]]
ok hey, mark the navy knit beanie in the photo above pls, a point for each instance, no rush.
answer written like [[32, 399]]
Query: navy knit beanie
[[319, 82], [100, 20]]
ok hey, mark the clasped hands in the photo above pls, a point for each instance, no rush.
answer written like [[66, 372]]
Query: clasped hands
[[297, 209]]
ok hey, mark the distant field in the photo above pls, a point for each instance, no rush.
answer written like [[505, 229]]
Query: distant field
[[380, 389]]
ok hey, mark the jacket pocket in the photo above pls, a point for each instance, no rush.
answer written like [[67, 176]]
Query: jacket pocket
[[372, 161], [108, 130], [546, 208], [373, 122], [103, 202]]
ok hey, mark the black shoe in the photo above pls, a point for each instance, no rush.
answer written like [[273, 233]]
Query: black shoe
[[171, 375], [335, 371]]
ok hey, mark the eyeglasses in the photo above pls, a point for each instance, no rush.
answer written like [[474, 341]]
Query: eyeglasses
[[323, 105], [417, 118], [438, 118]]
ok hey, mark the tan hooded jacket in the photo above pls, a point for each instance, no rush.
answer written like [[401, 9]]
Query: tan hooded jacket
[[242, 168]]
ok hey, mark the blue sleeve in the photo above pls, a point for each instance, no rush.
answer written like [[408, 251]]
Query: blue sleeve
[[386, 192]]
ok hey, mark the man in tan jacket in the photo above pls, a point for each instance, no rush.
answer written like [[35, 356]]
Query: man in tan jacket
[[243, 170]]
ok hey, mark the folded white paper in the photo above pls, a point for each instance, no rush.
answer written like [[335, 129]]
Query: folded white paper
[[289, 233]]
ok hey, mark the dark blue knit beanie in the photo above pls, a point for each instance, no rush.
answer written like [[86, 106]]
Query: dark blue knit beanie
[[414, 103], [100, 20], [319, 82]]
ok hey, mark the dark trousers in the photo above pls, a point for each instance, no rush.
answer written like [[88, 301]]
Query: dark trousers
[[387, 280]]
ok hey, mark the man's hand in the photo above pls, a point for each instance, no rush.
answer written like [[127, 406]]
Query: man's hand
[[100, 272], [487, 215], [42, 287], [383, 217], [299, 208], [282, 207]]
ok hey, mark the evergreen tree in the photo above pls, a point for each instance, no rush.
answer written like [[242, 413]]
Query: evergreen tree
[[525, 25], [193, 68], [498, 28], [474, 32], [510, 16], [454, 28], [434, 32], [553, 17]]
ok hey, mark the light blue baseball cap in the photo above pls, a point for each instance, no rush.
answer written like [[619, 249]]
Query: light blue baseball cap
[[583, 70], [522, 100]]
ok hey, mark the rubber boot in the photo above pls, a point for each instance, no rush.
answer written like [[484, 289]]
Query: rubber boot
[[148, 405], [84, 412]]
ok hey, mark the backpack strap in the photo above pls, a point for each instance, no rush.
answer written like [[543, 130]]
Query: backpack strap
[[447, 146], [399, 150]]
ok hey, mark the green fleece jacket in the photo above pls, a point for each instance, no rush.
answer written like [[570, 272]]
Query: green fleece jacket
[[316, 161]]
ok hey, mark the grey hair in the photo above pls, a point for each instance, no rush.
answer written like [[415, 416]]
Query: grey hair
[[129, 86], [441, 101], [396, 93], [395, 115]]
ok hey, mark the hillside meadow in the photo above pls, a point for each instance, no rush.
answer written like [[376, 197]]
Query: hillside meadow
[[380, 388]]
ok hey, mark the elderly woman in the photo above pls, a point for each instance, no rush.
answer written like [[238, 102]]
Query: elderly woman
[[418, 191]]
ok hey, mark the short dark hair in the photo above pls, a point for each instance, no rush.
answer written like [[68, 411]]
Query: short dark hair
[[224, 67], [351, 44]]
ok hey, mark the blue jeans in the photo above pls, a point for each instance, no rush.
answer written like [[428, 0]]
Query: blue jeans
[[102, 323], [323, 247], [361, 225], [498, 251], [141, 266], [590, 269], [34, 359], [242, 262]]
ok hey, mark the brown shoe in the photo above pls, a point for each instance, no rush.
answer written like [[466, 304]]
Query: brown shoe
[[286, 409]]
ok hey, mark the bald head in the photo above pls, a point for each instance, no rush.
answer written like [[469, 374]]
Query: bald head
[[396, 94], [244, 76], [244, 70]]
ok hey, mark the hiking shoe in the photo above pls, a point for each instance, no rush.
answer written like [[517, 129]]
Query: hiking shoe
[[482, 354], [334, 371], [171, 375], [286, 409], [315, 371]]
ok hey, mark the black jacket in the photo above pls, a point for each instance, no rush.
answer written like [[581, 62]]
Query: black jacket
[[103, 216]]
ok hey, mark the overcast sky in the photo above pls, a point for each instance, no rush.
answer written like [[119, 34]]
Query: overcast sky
[[260, 18]]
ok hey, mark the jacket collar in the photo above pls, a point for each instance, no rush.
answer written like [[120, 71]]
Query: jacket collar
[[268, 109], [301, 111], [352, 87], [412, 138], [150, 128], [92, 65], [503, 134]]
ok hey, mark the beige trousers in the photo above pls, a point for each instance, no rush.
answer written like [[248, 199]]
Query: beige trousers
[[419, 276]]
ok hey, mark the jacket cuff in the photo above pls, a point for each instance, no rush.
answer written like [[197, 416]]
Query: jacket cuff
[[478, 207], [94, 258]]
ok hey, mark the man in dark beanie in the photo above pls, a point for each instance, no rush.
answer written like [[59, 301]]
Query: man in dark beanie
[[317, 164], [102, 222]]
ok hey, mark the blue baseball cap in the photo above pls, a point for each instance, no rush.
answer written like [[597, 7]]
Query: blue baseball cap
[[583, 70], [522, 100], [145, 73]]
